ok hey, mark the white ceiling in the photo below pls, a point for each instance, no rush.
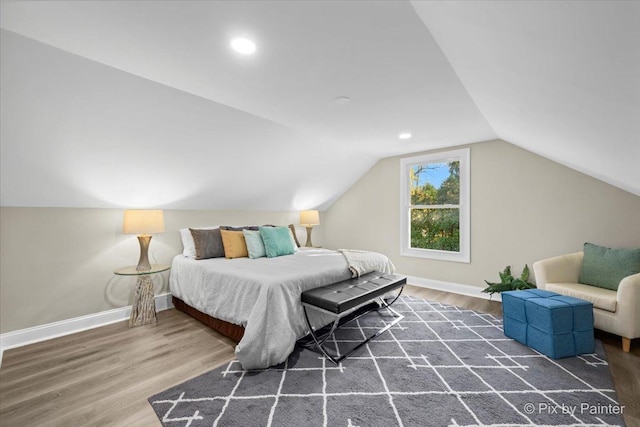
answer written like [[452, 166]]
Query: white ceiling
[[110, 103], [561, 78]]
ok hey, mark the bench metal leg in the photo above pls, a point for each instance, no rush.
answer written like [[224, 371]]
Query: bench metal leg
[[387, 304], [320, 340]]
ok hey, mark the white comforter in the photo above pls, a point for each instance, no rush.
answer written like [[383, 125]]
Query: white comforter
[[263, 295]]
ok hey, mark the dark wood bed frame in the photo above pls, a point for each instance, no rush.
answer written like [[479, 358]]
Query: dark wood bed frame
[[231, 330]]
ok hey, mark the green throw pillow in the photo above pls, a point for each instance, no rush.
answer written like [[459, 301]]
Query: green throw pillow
[[605, 267], [277, 241]]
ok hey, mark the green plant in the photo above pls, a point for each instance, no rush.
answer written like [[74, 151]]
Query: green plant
[[510, 283]]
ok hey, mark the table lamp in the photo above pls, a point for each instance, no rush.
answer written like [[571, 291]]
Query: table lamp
[[143, 222], [308, 219]]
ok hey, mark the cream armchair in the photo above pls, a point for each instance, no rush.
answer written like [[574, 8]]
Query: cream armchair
[[615, 312]]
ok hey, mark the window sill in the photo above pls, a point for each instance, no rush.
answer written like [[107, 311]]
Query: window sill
[[436, 255]]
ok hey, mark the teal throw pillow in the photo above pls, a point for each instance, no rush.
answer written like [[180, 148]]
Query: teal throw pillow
[[606, 267], [255, 246], [277, 241]]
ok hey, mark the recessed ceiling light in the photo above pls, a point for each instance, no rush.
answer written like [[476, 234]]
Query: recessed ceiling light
[[404, 135], [244, 46], [342, 100]]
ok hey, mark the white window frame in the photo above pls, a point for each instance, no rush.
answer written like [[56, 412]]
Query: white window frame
[[463, 156]]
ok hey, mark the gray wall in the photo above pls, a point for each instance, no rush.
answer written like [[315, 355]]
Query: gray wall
[[57, 263], [523, 208]]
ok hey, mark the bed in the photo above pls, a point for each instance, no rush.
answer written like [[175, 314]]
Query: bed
[[258, 300]]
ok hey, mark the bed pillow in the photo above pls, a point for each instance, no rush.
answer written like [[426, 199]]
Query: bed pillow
[[244, 227], [208, 243], [606, 267], [234, 244], [293, 234], [188, 245], [294, 241], [255, 246], [277, 241]]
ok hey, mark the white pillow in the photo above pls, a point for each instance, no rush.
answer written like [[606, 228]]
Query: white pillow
[[188, 245]]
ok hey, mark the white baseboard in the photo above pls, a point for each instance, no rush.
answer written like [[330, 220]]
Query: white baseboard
[[70, 326], [456, 288], [163, 302]]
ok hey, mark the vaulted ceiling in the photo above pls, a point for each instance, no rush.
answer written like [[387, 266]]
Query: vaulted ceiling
[[111, 103]]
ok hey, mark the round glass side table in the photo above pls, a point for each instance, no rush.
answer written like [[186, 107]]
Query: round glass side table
[[143, 310]]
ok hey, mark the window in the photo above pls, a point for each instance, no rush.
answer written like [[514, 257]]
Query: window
[[435, 202]]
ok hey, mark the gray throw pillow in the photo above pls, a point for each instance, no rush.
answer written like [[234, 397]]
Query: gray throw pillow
[[246, 227], [208, 243]]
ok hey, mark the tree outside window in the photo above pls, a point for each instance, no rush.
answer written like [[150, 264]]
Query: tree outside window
[[436, 205]]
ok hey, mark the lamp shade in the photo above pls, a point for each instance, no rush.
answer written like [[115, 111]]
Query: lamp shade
[[309, 218], [143, 221]]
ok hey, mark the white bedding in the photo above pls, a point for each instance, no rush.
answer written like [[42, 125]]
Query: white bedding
[[363, 262], [263, 295]]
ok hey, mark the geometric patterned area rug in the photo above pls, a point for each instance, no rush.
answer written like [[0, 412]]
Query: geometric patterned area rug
[[440, 366]]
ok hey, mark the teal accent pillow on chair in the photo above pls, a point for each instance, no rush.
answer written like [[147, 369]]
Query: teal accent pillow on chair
[[606, 267], [277, 241]]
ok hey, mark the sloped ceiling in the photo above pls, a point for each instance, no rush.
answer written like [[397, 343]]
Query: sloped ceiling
[[558, 78], [127, 104]]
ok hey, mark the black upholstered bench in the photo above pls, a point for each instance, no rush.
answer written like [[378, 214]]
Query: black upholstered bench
[[349, 300]]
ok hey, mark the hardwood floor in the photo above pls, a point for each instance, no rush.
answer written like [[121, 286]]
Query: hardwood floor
[[103, 377]]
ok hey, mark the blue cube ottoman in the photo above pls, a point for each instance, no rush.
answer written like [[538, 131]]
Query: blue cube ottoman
[[555, 325]]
